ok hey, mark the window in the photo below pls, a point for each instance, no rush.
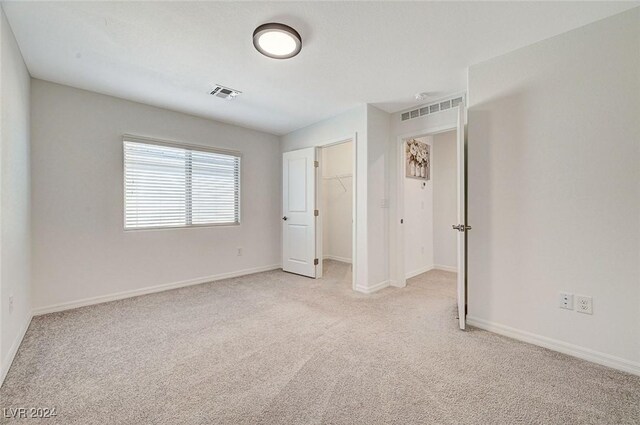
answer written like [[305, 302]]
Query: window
[[167, 185]]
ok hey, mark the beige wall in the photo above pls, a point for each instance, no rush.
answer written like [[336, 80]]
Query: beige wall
[[337, 208], [554, 192], [80, 248], [378, 180], [15, 197]]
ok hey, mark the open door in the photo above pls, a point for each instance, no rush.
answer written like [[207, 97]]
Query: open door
[[461, 227], [298, 207]]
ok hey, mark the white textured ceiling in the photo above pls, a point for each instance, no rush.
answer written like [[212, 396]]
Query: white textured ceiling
[[169, 54]]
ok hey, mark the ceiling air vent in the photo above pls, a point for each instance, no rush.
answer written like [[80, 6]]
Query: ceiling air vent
[[431, 108], [224, 92]]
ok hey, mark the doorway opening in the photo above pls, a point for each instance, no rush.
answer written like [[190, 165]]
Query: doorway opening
[[336, 201], [431, 187], [430, 206], [305, 179]]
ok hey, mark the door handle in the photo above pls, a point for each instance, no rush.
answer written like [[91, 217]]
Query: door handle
[[460, 227], [285, 218]]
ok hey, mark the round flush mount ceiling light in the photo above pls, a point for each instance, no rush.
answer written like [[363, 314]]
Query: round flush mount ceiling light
[[277, 41]]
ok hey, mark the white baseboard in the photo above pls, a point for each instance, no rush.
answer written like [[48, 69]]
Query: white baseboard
[[14, 349], [148, 290], [425, 269], [557, 345], [372, 289], [442, 267], [337, 258], [416, 272]]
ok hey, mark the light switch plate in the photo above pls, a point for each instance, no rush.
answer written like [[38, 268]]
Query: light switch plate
[[566, 301]]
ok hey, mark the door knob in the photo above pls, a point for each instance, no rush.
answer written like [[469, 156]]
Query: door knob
[[285, 218]]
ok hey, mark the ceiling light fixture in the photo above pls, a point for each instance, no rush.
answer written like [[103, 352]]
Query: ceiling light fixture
[[277, 41]]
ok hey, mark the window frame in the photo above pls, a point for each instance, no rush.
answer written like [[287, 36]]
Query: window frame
[[178, 145]]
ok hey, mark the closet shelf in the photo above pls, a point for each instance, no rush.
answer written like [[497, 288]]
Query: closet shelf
[[338, 176]]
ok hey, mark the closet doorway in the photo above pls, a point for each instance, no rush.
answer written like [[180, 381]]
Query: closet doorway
[[336, 224]]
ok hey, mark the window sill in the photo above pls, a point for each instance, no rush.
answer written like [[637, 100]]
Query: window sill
[[191, 226]]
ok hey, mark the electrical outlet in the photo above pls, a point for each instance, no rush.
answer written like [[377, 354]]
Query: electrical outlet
[[10, 303], [566, 301], [239, 252], [584, 304]]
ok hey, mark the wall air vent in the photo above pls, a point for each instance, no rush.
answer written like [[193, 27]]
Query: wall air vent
[[455, 102], [431, 108], [224, 92]]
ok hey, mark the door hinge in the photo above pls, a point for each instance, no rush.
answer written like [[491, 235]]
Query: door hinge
[[316, 213], [316, 164], [315, 261], [461, 227]]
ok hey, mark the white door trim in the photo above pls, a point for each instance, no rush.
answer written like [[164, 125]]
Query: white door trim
[[400, 279], [354, 234], [359, 239]]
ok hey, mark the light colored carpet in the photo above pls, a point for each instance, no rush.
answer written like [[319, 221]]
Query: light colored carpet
[[275, 348]]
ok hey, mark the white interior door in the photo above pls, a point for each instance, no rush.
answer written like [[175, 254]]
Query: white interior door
[[461, 226], [299, 220]]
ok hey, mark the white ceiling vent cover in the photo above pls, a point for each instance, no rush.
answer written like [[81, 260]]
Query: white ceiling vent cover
[[224, 92]]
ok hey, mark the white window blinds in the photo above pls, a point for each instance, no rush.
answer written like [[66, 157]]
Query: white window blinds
[[172, 186]]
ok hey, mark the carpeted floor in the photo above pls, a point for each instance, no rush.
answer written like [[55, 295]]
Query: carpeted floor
[[275, 348]]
